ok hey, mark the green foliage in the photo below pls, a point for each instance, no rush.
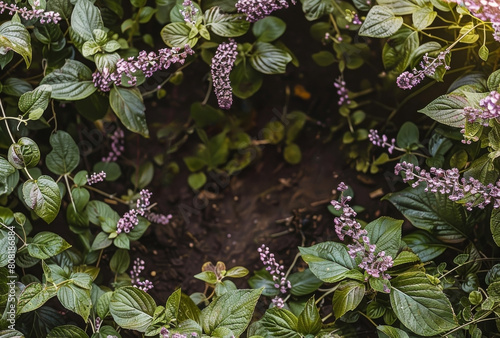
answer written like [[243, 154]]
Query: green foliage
[[48, 148]]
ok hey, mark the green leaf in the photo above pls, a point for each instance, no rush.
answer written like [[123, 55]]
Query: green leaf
[[391, 332], [15, 87], [24, 153], [445, 219], [34, 296], [205, 115], [408, 135], [226, 25], [276, 323], [132, 308], [400, 7], [176, 34], [11, 334], [494, 80], [263, 279], [269, 59], [245, 81], [71, 82], [99, 212], [101, 241], [128, 105], [304, 283], [9, 177], [447, 109], [423, 17], [314, 9], [85, 18], [425, 245], [120, 261], [47, 244], [420, 305], [75, 299], [385, 232], [380, 23], [484, 53], [172, 305], [347, 297], [495, 226], [188, 310], [233, 310], [112, 170], [309, 320], [237, 272], [329, 261], [15, 36], [323, 58], [66, 331], [292, 153], [268, 29], [65, 155], [143, 176], [33, 102], [397, 51], [197, 180], [43, 196], [102, 306]]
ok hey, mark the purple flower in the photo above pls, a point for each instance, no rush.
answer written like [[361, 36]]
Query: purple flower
[[30, 14], [189, 12], [164, 333], [496, 33], [342, 91], [429, 65], [259, 9], [486, 10], [147, 63], [222, 63], [137, 268], [375, 265], [276, 271], [96, 177], [117, 146], [159, 218], [381, 141], [448, 182]]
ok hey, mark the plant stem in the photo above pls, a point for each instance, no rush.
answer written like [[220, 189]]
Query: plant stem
[[292, 265], [326, 294]]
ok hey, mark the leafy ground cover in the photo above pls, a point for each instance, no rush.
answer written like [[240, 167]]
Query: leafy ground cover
[[245, 168]]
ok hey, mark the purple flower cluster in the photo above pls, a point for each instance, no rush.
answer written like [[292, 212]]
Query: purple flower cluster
[[408, 80], [97, 324], [222, 63], [342, 91], [96, 177], [276, 271], [137, 269], [147, 63], [29, 14], [486, 10], [164, 333], [153, 217], [448, 182], [189, 12], [381, 141], [496, 33], [131, 218], [259, 9], [117, 146], [489, 109], [346, 225]]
